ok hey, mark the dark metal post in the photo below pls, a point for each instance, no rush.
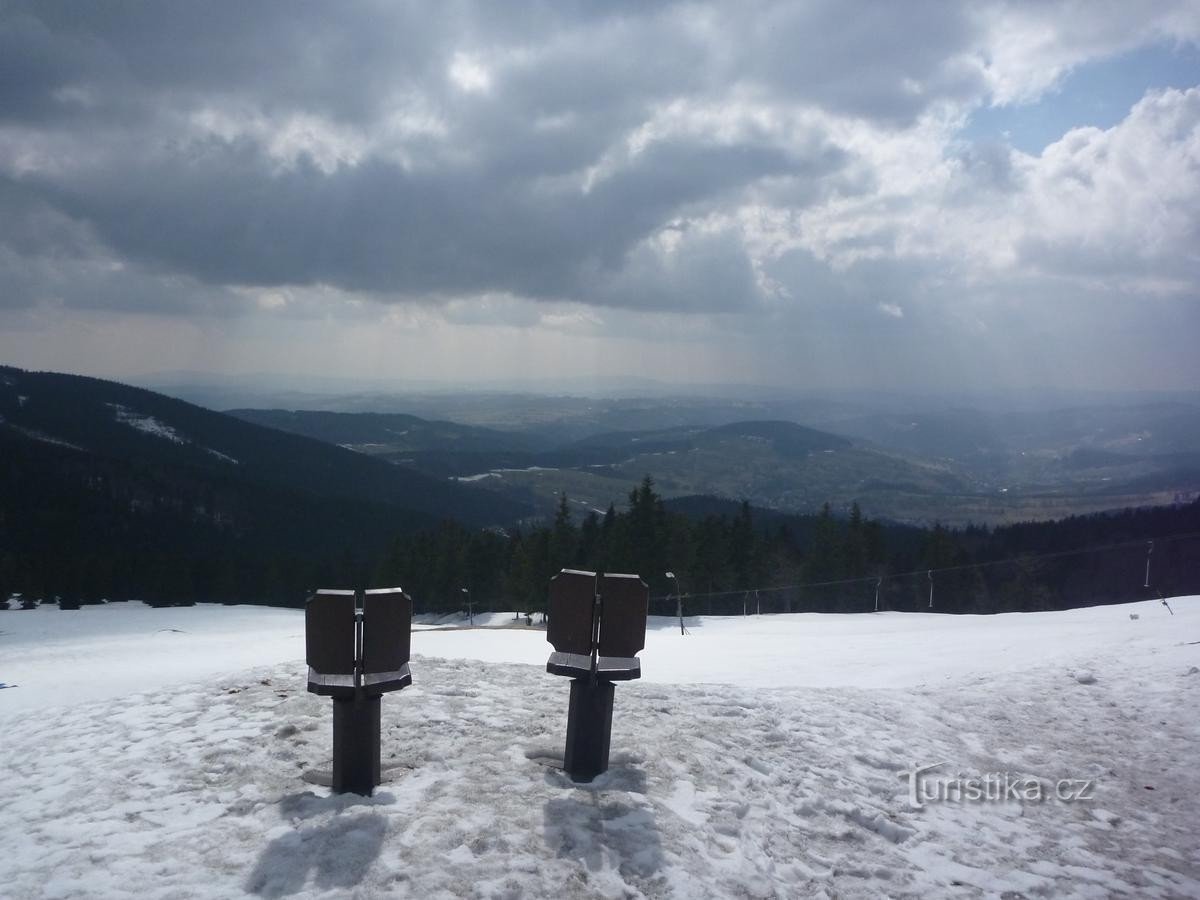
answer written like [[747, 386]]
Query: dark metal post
[[589, 728], [678, 600], [356, 745]]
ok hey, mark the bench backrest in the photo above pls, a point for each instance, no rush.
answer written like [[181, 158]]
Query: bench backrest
[[624, 600], [348, 647], [572, 609], [330, 640], [621, 631], [387, 630]]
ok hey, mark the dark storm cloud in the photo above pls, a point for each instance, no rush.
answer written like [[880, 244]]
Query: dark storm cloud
[[485, 196], [225, 218], [32, 227], [307, 55], [886, 60]]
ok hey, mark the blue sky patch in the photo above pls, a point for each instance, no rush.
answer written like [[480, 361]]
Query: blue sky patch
[[1099, 93]]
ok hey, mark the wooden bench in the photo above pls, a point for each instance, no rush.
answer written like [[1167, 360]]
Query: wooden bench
[[597, 627], [357, 649]]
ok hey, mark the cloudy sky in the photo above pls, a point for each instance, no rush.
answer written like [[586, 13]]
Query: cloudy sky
[[818, 194]]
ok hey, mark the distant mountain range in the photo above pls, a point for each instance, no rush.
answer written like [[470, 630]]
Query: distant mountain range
[[515, 455], [774, 464], [949, 465]]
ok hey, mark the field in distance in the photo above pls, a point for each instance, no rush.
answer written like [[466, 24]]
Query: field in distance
[[910, 464]]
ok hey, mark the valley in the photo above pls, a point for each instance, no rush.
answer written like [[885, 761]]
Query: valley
[[951, 465]]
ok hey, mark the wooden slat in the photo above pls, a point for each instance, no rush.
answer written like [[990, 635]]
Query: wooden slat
[[387, 630], [624, 601], [572, 598], [329, 632]]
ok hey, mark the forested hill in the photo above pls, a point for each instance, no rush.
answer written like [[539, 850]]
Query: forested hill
[[397, 432], [139, 427], [109, 490]]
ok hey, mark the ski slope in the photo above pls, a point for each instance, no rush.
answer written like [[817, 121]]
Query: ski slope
[[158, 753]]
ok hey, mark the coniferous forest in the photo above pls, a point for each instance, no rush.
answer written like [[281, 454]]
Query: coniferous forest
[[727, 558], [745, 560]]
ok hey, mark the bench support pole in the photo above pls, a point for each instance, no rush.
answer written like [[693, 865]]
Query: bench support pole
[[589, 729], [356, 736]]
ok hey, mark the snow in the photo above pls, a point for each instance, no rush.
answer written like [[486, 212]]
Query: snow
[[814, 650], [159, 429], [224, 457], [147, 424], [157, 753], [498, 473], [72, 657], [431, 621], [36, 435]]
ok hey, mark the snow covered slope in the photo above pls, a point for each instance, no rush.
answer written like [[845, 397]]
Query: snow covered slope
[[783, 775]]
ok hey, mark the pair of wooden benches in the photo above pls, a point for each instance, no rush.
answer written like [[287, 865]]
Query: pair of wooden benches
[[358, 645]]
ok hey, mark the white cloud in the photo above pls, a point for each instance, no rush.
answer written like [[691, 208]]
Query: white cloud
[[1027, 48], [1122, 201], [469, 74]]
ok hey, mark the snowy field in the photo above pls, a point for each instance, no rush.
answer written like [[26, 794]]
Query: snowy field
[[158, 753]]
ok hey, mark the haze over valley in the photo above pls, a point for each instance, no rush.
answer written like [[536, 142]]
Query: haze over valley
[[909, 459]]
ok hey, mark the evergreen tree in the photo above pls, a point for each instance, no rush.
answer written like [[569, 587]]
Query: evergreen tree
[[741, 548], [824, 561], [855, 557], [564, 539], [712, 554], [588, 555]]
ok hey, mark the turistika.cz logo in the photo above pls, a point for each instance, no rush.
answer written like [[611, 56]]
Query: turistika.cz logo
[[994, 787]]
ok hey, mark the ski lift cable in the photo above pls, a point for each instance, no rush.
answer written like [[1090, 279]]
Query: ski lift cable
[[930, 572]]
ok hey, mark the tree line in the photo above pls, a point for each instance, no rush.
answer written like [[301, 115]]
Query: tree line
[[727, 560], [730, 563]]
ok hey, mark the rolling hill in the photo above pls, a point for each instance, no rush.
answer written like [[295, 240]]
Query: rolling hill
[[113, 421], [954, 465], [388, 433], [773, 463], [109, 490]]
